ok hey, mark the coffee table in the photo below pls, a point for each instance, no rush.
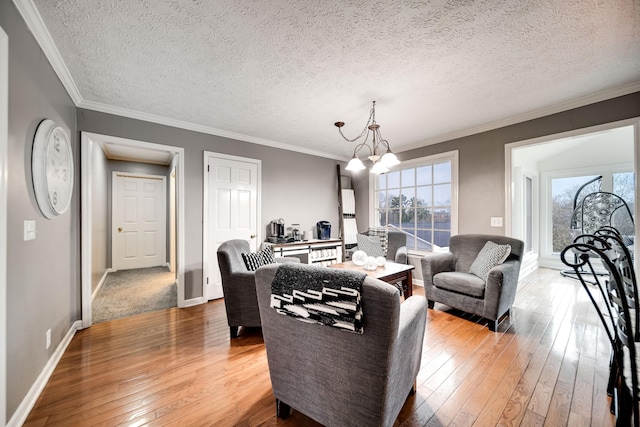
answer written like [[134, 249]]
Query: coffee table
[[392, 272]]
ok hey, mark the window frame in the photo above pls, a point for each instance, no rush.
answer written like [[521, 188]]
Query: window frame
[[452, 156], [607, 171]]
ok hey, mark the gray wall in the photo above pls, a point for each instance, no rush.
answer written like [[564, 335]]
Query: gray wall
[[482, 159], [43, 275], [297, 187]]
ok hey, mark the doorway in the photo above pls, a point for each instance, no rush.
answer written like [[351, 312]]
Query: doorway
[[95, 263], [231, 208], [541, 175]]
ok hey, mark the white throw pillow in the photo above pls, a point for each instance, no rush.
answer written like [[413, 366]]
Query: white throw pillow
[[492, 254]]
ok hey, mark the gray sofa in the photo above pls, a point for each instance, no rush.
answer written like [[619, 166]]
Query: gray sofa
[[447, 279], [340, 378]]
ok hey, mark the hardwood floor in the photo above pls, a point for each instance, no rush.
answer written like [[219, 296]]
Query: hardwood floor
[[547, 366]]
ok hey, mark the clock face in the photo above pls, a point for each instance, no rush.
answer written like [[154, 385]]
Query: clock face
[[52, 169]]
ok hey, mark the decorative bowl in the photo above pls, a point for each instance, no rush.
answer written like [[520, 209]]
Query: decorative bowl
[[359, 258], [370, 263], [381, 261]]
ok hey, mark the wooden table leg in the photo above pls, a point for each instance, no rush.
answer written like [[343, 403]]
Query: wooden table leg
[[409, 285]]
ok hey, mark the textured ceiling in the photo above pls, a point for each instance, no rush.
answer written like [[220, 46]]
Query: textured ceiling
[[283, 72]]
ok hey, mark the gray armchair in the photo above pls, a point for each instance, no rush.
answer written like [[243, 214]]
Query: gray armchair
[[447, 279], [396, 246], [239, 285], [340, 378]]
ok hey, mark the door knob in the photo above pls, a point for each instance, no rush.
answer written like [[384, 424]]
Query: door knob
[[253, 236], [119, 229]]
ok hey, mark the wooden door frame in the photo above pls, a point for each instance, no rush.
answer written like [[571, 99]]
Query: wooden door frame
[[205, 209], [90, 142], [114, 193]]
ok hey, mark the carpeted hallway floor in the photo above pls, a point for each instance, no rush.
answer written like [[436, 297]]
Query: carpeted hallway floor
[[126, 293]]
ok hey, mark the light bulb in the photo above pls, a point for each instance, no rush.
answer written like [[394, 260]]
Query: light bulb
[[379, 168], [355, 165], [390, 159]]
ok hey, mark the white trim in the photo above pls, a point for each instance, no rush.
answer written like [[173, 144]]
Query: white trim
[[89, 142], [39, 30], [554, 109], [100, 283], [193, 301], [27, 404], [205, 208], [181, 124], [4, 174]]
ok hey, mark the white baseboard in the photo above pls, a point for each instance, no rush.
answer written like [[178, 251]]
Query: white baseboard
[[27, 404], [193, 301], [102, 280]]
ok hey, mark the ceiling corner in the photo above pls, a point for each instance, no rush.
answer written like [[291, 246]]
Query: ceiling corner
[[36, 25]]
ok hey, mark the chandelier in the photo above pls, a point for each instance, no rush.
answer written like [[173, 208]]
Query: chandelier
[[381, 163]]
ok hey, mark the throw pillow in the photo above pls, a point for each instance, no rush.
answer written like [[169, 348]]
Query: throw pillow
[[253, 261], [383, 234], [370, 244], [492, 254]]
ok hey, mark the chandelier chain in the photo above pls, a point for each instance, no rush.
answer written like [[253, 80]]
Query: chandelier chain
[[366, 127]]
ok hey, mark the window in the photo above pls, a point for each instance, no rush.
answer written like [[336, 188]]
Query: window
[[419, 198], [567, 190]]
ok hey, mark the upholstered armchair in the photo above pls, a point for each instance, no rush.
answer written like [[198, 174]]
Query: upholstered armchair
[[338, 377], [239, 285], [396, 246], [447, 278]]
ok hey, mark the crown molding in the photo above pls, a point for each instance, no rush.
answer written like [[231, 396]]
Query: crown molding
[[181, 124], [39, 30], [558, 108]]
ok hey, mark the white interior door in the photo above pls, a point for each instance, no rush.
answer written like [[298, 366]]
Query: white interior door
[[138, 222], [231, 210]]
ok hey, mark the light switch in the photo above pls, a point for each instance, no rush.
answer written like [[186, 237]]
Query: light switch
[[29, 230], [496, 221]]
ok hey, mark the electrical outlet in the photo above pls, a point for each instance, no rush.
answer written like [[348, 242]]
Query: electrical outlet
[[29, 230], [48, 338], [496, 221]]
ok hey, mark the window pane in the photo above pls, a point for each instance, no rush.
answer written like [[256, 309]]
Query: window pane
[[394, 217], [442, 172], [441, 238], [423, 218], [442, 219], [623, 186], [382, 199], [424, 175], [442, 195], [563, 191], [382, 181], [382, 217], [425, 237], [393, 198], [409, 177], [408, 218], [409, 196], [393, 179], [424, 196]]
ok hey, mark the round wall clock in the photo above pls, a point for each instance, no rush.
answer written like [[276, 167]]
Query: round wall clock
[[52, 169]]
